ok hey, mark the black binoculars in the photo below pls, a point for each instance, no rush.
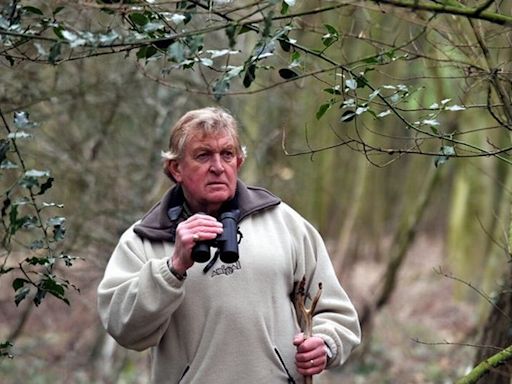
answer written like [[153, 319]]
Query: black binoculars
[[226, 242]]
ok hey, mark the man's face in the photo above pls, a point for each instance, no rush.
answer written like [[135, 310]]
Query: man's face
[[207, 171]]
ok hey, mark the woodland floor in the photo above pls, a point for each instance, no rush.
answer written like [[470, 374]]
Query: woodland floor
[[408, 345]]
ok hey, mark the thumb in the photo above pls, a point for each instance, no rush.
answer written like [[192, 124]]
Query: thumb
[[298, 339]]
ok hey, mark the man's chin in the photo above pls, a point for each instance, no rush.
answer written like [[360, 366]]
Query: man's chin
[[220, 195]]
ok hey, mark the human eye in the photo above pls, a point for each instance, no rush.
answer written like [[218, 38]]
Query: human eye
[[202, 156], [228, 155]]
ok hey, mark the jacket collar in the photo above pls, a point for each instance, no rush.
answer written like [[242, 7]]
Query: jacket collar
[[160, 222]]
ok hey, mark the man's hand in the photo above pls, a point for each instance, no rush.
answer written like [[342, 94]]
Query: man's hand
[[199, 227], [311, 356]]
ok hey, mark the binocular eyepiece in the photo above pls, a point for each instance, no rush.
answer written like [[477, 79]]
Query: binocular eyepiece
[[226, 242]]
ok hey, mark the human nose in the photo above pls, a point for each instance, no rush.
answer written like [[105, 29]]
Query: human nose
[[216, 164]]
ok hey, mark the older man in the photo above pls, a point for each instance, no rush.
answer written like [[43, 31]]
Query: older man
[[224, 322]]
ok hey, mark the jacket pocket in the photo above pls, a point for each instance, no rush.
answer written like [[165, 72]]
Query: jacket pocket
[[290, 378], [184, 373]]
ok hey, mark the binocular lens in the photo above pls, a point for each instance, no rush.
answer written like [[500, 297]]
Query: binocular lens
[[227, 242]]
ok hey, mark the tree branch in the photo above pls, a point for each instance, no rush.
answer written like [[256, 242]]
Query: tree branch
[[471, 12]]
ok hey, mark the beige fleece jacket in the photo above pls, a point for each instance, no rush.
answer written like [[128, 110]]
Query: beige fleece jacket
[[225, 326]]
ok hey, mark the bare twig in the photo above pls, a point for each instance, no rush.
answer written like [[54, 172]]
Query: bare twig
[[305, 315]]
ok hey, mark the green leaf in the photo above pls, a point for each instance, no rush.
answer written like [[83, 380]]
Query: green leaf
[[4, 270], [56, 220], [231, 34], [331, 37], [361, 81], [22, 121], [36, 173], [220, 88], [54, 53], [5, 205], [6, 164], [445, 153], [146, 52], [287, 73], [19, 135], [34, 10], [351, 84], [284, 42], [250, 75], [245, 29], [4, 148], [138, 18], [284, 8], [321, 111], [19, 283], [331, 29], [57, 10], [37, 244], [5, 348], [333, 90], [58, 32], [37, 261], [53, 287], [21, 293], [45, 186], [176, 52], [347, 116]]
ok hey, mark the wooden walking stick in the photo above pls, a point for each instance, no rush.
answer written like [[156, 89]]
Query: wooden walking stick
[[305, 315]]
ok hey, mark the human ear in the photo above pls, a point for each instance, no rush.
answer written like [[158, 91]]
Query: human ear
[[239, 162], [174, 169]]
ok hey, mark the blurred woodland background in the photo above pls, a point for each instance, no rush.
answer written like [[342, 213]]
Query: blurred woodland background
[[387, 124]]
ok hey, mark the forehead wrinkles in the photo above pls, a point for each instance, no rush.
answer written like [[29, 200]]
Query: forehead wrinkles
[[200, 141]]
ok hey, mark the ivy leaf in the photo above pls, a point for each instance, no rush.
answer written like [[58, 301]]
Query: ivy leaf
[[333, 90], [351, 84], [5, 349], [250, 75], [21, 290], [45, 186], [284, 8], [176, 52], [331, 36], [321, 111], [22, 121], [220, 88], [138, 18], [19, 283], [5, 205], [19, 135], [287, 73], [54, 53], [57, 10], [51, 286], [284, 42], [231, 34], [348, 116], [146, 52], [4, 148], [34, 10], [445, 153], [37, 244]]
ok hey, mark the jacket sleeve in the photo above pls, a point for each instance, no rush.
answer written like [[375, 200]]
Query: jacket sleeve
[[335, 319], [138, 293]]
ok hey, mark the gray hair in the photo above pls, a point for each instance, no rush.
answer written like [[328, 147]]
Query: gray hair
[[209, 121]]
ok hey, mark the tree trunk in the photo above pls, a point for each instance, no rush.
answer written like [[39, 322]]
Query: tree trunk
[[402, 240]]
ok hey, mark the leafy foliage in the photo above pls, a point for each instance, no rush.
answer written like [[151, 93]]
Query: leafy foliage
[[32, 234], [230, 48]]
